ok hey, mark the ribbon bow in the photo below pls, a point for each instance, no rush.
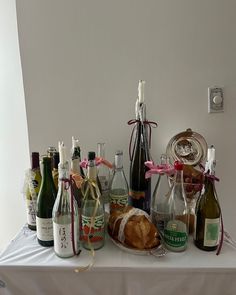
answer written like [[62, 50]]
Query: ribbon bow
[[150, 124], [158, 169]]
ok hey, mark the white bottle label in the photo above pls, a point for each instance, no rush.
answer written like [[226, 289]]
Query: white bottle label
[[31, 212], [211, 232], [44, 229], [63, 239]]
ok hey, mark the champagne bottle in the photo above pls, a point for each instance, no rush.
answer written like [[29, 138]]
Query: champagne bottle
[[45, 203], [103, 174], [119, 187], [34, 182], [55, 162], [65, 213], [159, 208], [92, 211], [208, 212], [176, 223], [140, 187]]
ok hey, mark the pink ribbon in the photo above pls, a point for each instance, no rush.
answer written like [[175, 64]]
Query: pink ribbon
[[98, 161], [158, 169]]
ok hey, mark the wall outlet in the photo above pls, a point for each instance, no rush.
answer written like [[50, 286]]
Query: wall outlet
[[215, 99]]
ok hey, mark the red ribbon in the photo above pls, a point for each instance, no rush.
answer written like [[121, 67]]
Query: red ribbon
[[150, 124]]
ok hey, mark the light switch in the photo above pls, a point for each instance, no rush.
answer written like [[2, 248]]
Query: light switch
[[215, 99]]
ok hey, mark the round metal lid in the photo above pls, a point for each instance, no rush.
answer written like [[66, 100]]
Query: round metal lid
[[189, 147]]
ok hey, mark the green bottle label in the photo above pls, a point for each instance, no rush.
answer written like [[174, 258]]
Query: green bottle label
[[211, 232], [175, 234]]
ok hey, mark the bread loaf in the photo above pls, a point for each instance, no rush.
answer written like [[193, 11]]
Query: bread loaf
[[133, 227]]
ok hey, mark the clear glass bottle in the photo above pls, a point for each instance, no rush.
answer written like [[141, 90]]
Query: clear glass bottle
[[33, 190], [208, 211], [119, 187], [92, 211], [159, 207], [176, 223], [140, 187], [45, 202], [65, 215], [103, 173]]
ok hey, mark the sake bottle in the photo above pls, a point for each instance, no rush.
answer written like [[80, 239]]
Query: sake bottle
[[65, 213], [208, 211], [34, 182], [140, 187], [119, 187], [177, 219], [92, 211], [45, 203]]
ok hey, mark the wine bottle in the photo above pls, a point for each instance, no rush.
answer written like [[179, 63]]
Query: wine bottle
[[34, 182], [65, 213], [208, 211], [92, 211], [176, 223], [140, 187], [45, 203], [55, 162], [159, 204], [103, 174], [119, 187]]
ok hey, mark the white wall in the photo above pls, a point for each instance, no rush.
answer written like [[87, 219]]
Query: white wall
[[82, 61], [14, 148]]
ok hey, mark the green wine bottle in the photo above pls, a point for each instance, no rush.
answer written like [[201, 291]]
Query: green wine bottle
[[45, 203], [208, 212]]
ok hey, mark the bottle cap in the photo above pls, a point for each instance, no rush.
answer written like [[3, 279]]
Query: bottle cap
[[91, 156], [178, 165], [55, 160], [35, 160]]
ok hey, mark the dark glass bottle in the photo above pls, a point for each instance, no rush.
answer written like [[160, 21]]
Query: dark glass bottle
[[55, 162], [140, 187], [76, 171], [45, 202], [33, 190], [208, 214]]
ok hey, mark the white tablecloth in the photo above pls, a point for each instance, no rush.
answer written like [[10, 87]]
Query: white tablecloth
[[27, 268]]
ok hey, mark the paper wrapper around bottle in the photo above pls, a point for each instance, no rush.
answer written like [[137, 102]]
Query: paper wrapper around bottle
[[133, 227]]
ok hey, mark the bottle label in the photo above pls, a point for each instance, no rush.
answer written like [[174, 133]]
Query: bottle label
[[118, 201], [175, 234], [31, 212], [137, 195], [44, 229], [63, 239], [211, 232], [93, 230]]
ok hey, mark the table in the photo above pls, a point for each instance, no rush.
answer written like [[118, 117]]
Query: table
[[27, 268]]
